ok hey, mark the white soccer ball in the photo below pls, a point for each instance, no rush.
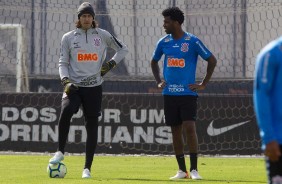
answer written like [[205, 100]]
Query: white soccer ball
[[57, 170]]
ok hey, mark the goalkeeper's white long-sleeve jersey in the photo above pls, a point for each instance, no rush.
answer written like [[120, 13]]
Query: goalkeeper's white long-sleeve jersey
[[83, 52]]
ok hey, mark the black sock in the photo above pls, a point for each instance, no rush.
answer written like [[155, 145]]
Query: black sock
[[193, 161], [181, 162]]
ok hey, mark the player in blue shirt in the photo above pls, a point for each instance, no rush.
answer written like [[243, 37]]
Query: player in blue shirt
[[181, 50], [267, 101]]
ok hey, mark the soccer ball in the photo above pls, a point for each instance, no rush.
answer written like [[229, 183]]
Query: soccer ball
[[57, 170]]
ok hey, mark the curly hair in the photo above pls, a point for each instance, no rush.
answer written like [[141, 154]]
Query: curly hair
[[174, 13]]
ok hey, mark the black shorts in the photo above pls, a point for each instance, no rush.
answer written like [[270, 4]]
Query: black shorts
[[89, 97], [274, 169], [179, 108]]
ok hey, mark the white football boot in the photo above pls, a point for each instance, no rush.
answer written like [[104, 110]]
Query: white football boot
[[179, 175], [86, 173], [57, 158], [195, 175]]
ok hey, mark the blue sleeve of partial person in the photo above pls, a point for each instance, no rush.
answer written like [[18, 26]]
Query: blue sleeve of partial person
[[158, 52], [265, 75]]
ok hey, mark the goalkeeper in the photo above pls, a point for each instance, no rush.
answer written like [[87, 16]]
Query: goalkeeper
[[81, 70], [267, 103]]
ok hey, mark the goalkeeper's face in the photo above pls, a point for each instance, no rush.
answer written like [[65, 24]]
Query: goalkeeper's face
[[169, 25], [86, 21]]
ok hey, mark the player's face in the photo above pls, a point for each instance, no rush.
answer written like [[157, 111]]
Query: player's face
[[86, 21], [169, 25]]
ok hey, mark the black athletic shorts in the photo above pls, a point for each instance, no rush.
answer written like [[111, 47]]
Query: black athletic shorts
[[274, 169], [179, 108], [90, 98]]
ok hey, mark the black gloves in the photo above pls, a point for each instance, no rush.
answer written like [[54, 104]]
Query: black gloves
[[107, 67], [69, 88]]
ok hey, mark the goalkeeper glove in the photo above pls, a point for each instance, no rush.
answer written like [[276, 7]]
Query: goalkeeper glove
[[106, 67], [69, 88]]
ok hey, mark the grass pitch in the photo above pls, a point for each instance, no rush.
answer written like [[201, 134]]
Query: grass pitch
[[31, 169]]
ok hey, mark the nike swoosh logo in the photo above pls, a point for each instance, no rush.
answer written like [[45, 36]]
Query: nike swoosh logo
[[217, 131]]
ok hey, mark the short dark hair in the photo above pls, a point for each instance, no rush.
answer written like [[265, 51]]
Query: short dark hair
[[175, 14]]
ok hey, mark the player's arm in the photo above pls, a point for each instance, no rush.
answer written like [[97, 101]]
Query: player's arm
[[210, 68], [120, 48], [64, 58], [272, 151], [121, 51], [155, 66], [69, 87], [265, 75], [156, 72], [209, 57]]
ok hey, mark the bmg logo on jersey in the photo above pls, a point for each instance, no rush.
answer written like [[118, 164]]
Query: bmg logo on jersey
[[175, 62], [174, 88], [87, 57]]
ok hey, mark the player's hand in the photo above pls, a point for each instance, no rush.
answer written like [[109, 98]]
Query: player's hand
[[69, 88], [161, 84], [106, 67], [272, 151], [197, 87]]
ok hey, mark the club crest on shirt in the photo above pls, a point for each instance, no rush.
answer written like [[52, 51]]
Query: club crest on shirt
[[96, 41], [184, 47]]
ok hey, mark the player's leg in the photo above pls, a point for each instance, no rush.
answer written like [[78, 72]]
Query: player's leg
[[188, 116], [92, 99], [91, 143], [192, 142], [178, 146], [69, 106], [274, 170], [172, 119]]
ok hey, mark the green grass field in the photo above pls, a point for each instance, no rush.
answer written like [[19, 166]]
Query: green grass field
[[31, 169]]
